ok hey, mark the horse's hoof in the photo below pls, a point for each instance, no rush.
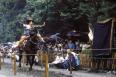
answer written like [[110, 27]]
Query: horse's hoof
[[26, 64], [30, 69], [19, 66]]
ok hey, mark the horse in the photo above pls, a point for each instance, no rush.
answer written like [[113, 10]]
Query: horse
[[30, 48]]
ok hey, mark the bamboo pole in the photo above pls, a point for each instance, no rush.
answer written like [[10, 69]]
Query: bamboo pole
[[70, 65], [111, 36], [46, 65], [91, 63], [24, 58], [14, 64], [113, 64]]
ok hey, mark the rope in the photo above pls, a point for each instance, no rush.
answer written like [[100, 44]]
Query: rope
[[97, 49], [78, 49]]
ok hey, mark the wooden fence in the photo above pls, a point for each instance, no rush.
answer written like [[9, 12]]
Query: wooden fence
[[86, 61]]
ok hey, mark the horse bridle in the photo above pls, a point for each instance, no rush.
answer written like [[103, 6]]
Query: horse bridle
[[33, 42]]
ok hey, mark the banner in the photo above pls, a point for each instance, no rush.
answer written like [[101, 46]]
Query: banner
[[101, 40]]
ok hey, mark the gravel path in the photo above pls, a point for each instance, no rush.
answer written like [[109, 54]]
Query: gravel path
[[6, 71]]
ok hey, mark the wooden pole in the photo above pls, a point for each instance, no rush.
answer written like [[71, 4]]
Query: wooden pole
[[24, 58], [111, 34], [46, 65], [91, 63], [70, 65], [14, 64]]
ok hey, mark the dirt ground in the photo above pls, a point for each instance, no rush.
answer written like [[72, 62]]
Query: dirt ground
[[37, 71]]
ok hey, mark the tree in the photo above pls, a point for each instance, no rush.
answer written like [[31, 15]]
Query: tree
[[60, 14]]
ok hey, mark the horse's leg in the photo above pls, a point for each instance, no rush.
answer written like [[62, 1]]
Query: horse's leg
[[31, 61], [20, 57]]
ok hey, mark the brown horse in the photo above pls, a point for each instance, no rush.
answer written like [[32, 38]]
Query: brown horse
[[30, 47]]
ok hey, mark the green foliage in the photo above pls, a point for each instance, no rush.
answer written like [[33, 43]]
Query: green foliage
[[50, 10]]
